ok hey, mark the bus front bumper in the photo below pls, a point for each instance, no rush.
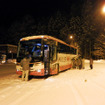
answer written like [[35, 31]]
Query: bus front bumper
[[34, 73]]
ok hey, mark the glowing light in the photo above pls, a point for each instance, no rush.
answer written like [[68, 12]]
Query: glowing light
[[50, 79], [103, 9], [38, 70], [42, 36], [71, 37], [17, 69], [3, 61]]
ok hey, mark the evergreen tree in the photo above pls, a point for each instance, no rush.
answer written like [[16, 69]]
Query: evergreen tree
[[84, 29], [20, 29], [40, 29], [55, 24]]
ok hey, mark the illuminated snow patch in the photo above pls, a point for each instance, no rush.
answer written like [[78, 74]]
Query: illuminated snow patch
[[50, 79]]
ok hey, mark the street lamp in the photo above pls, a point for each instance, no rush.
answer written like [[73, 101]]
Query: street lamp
[[71, 37], [103, 9]]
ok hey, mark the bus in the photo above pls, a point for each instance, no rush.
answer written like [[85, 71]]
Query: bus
[[49, 55]]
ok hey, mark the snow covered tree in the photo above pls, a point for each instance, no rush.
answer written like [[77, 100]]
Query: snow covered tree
[[83, 28]]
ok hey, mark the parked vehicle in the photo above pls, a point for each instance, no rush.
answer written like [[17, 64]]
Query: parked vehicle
[[49, 55]]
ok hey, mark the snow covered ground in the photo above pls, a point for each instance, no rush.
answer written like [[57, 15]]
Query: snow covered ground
[[72, 87]]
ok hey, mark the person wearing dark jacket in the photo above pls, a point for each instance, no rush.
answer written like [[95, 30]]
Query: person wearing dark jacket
[[25, 66], [80, 63], [91, 63]]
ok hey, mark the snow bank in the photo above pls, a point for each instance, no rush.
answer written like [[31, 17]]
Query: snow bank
[[96, 61]]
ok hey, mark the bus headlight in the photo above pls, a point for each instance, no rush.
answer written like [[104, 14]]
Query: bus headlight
[[17, 69], [38, 70]]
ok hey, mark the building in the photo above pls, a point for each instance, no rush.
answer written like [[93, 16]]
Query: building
[[10, 51]]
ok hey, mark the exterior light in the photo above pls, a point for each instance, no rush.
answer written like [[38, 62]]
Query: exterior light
[[71, 37], [103, 9]]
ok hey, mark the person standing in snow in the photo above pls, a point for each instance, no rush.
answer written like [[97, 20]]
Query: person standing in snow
[[91, 63], [80, 63], [83, 63], [25, 65]]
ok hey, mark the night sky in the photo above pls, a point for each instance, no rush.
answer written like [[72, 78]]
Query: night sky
[[11, 10], [15, 10]]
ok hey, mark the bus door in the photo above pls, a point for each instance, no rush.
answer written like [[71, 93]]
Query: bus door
[[54, 66], [46, 59]]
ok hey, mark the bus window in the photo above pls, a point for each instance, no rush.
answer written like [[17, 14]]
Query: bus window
[[46, 53], [36, 50], [32, 47]]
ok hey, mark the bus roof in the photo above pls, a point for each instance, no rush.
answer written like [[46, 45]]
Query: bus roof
[[45, 37]]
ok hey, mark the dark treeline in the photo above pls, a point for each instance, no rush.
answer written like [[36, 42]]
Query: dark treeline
[[84, 21]]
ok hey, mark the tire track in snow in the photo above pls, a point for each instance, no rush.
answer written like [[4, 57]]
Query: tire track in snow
[[80, 100], [68, 81], [92, 93], [100, 86], [11, 95]]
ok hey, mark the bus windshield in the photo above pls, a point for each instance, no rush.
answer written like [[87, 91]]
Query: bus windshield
[[31, 47]]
